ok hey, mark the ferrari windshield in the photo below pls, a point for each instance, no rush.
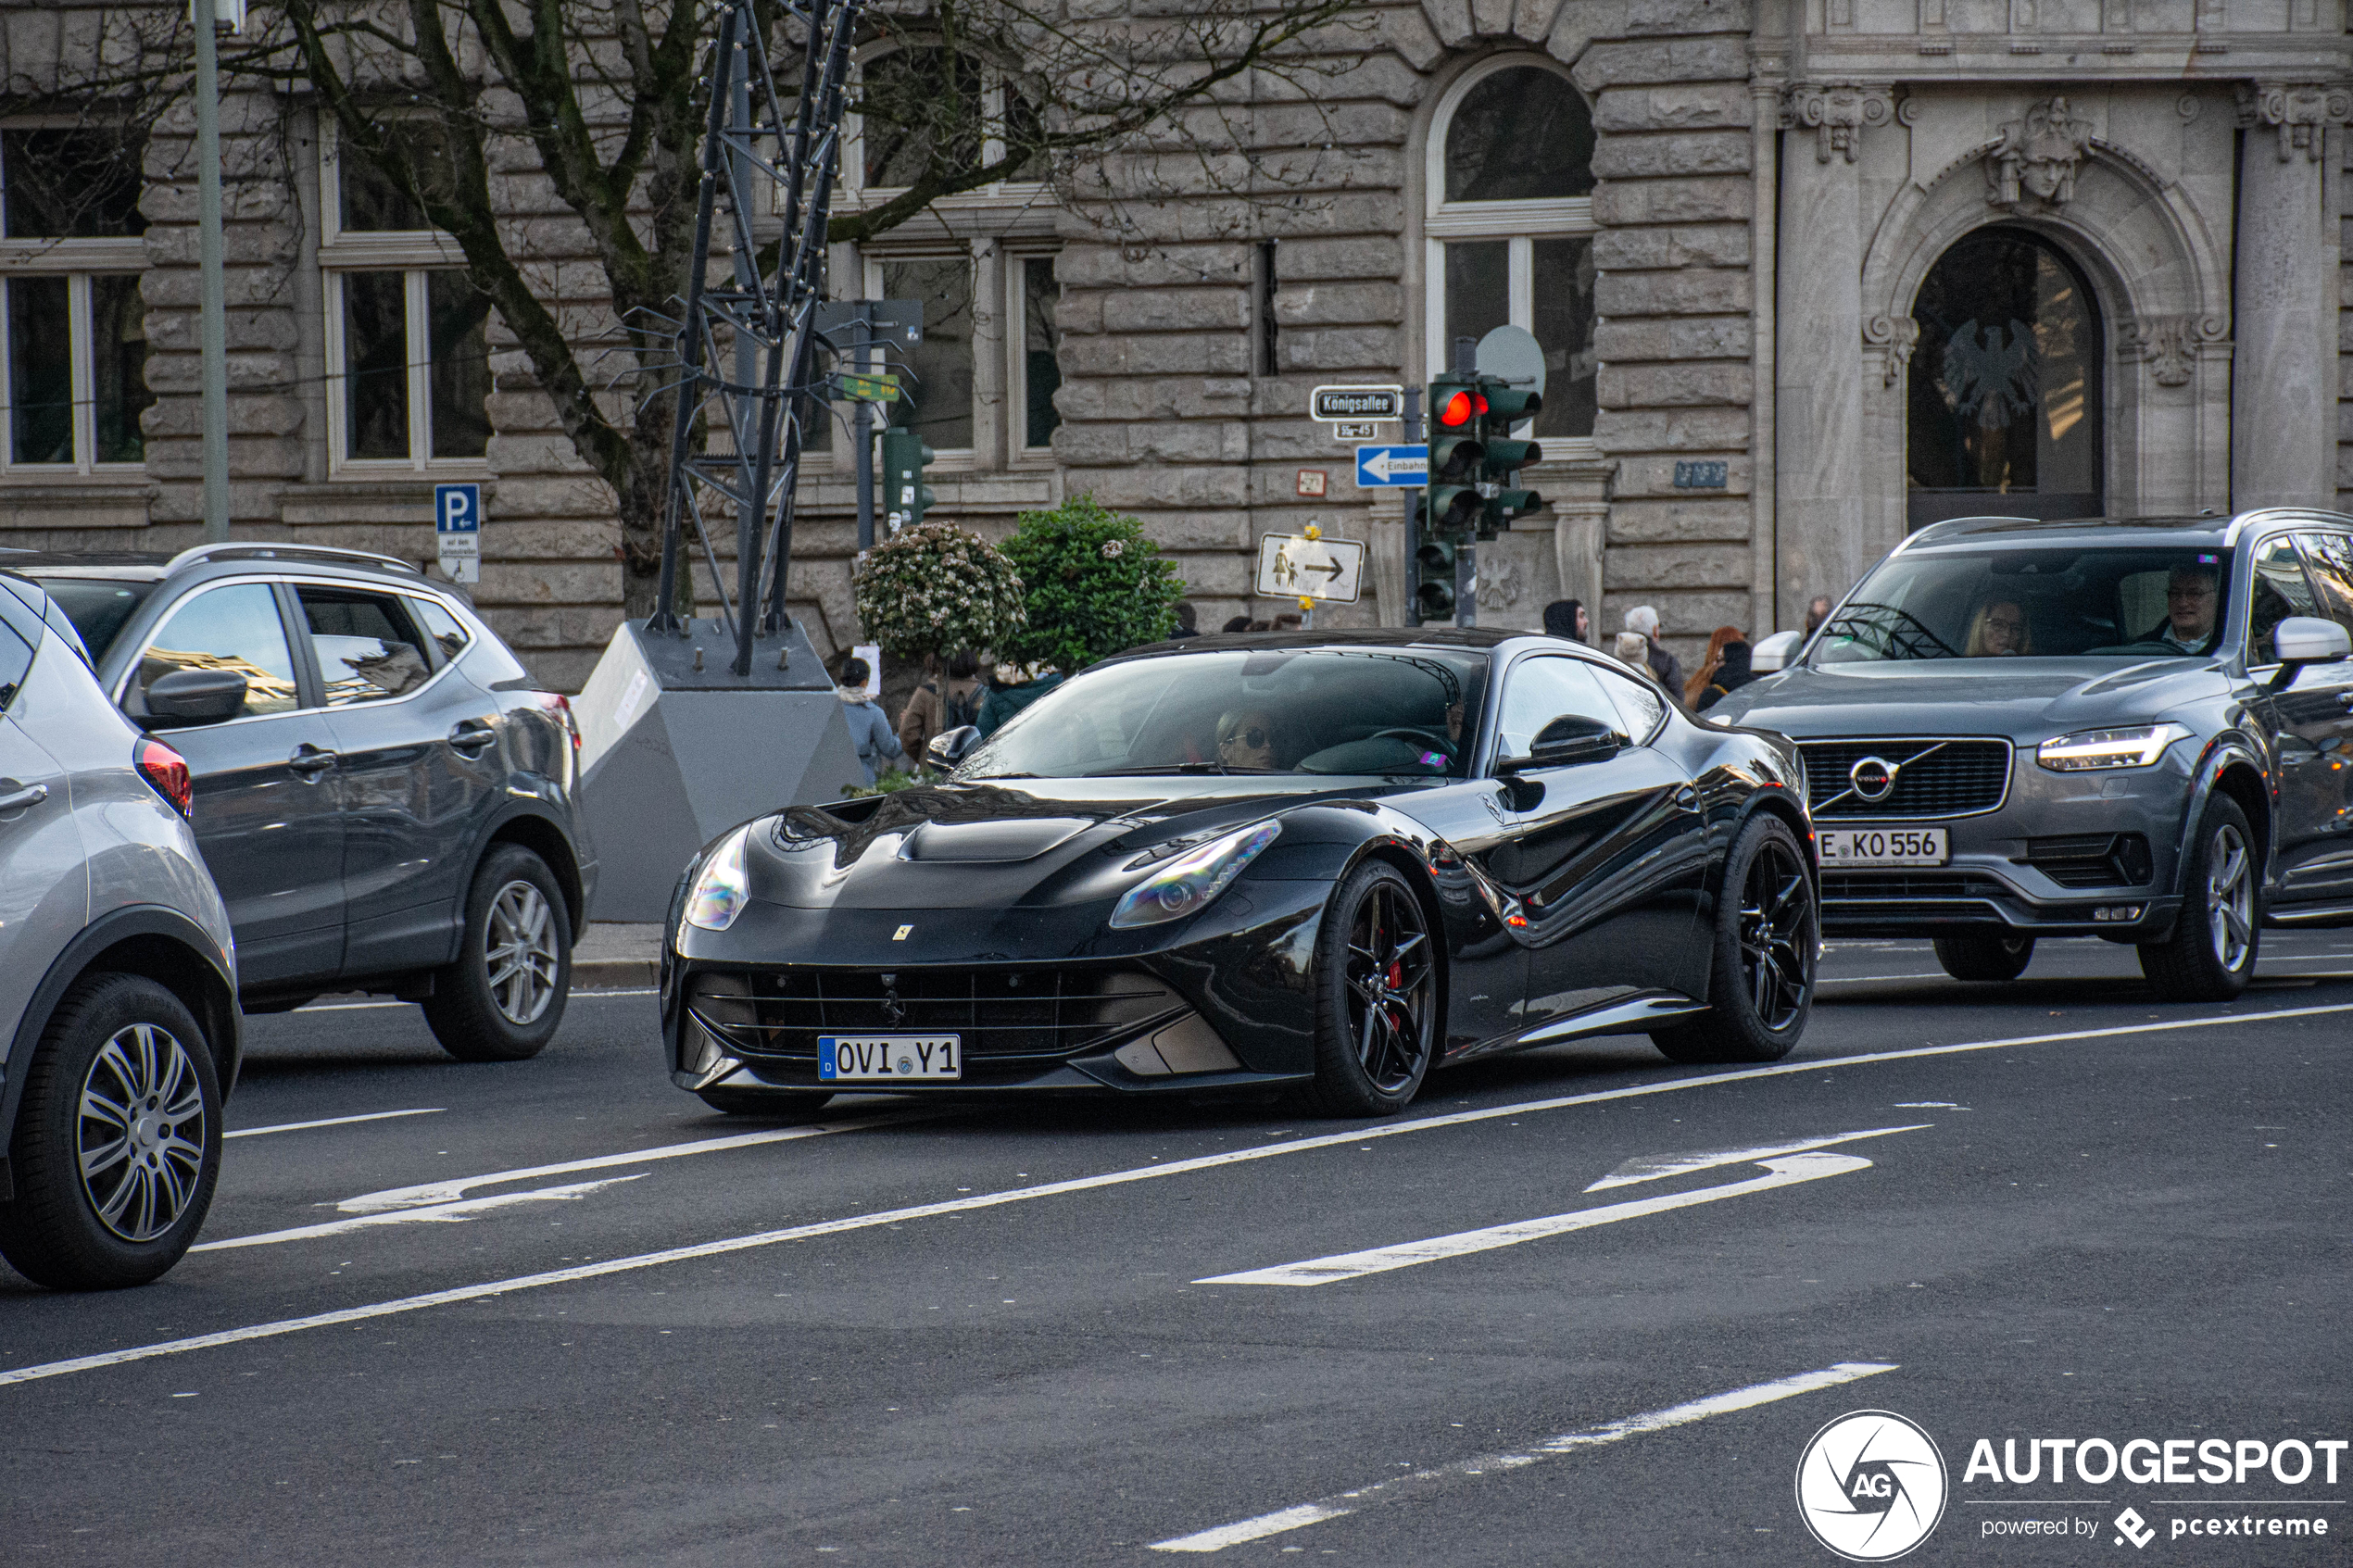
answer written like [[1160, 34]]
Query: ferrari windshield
[[2102, 603], [1409, 711]]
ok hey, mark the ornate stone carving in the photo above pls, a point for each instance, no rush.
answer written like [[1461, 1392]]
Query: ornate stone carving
[[1837, 112], [2169, 344], [2032, 168], [2300, 111], [1894, 338]]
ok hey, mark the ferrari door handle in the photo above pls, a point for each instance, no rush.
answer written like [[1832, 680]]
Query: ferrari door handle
[[473, 735], [14, 797], [309, 762]]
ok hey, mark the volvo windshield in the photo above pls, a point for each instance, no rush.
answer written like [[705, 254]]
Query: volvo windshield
[[2098, 603], [1410, 711]]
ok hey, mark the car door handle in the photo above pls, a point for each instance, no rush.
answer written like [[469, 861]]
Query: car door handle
[[309, 762], [471, 735], [15, 796]]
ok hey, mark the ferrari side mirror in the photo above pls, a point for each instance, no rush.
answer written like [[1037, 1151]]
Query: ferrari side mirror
[[949, 746]]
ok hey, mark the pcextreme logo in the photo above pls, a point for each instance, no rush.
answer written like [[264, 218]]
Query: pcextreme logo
[[1870, 1486]]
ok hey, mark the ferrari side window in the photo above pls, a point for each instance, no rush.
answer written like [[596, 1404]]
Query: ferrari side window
[[1541, 690], [1639, 701]]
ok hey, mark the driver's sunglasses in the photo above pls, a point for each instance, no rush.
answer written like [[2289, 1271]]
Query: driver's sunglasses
[[1998, 624], [1253, 737]]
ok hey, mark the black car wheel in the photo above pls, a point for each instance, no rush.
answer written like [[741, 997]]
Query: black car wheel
[[2211, 953], [1984, 954], [1760, 984], [1377, 997], [118, 1139], [504, 996], [781, 1104]]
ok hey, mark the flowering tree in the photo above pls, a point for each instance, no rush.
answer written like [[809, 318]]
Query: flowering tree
[[936, 589], [1095, 586]]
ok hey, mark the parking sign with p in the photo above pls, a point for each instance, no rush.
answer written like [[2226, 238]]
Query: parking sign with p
[[456, 527]]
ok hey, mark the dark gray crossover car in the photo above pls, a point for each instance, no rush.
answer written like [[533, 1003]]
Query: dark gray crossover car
[[2134, 728], [384, 796]]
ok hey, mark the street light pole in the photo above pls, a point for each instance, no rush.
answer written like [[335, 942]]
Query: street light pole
[[213, 337]]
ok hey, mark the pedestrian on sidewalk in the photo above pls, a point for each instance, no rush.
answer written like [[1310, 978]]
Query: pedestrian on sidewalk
[[869, 731], [947, 700], [1663, 665], [1016, 687]]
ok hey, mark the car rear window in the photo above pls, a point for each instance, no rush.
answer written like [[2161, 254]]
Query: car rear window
[[98, 606]]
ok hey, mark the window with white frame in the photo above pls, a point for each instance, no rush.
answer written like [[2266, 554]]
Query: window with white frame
[[1509, 229], [73, 339], [979, 388], [407, 332]]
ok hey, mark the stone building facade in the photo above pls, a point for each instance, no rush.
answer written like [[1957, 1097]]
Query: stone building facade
[[1806, 273]]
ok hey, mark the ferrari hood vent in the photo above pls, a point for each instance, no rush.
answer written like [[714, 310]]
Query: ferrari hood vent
[[1021, 839]]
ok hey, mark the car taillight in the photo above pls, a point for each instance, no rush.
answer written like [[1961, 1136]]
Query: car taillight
[[167, 771], [560, 704]]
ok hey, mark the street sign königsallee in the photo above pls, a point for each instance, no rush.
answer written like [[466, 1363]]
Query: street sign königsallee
[[1350, 404]]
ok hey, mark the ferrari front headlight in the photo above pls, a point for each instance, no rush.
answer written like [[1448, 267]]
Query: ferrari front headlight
[[2087, 750], [1192, 881], [720, 891]]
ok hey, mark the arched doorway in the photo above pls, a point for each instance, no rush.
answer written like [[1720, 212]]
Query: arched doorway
[[2003, 405]]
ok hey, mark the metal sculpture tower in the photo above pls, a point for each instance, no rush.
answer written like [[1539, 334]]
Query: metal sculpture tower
[[769, 316]]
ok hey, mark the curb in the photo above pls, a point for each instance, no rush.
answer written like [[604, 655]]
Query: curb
[[615, 975]]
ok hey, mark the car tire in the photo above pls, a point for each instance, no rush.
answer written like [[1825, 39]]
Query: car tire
[[1377, 1025], [122, 1041], [1984, 954], [1761, 977], [2211, 956], [780, 1104], [504, 996]]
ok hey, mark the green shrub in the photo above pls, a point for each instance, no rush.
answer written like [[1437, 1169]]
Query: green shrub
[[936, 589], [1094, 585]]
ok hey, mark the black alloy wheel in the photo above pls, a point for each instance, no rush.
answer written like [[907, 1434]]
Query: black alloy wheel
[[2211, 955], [1760, 984], [1984, 954], [1377, 1013], [503, 999], [118, 1139]]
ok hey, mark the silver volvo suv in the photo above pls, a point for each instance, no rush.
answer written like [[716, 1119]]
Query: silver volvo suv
[[2134, 728], [118, 978]]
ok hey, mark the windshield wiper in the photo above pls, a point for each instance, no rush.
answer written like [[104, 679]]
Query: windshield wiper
[[1177, 768]]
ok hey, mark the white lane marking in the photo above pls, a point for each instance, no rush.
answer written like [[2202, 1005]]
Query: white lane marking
[[330, 1122], [1085, 1184], [441, 1212], [1866, 979], [1422, 1481], [1656, 1167], [1786, 1172], [452, 1189], [366, 1007]]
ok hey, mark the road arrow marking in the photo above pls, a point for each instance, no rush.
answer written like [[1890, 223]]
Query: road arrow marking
[[1657, 1167], [445, 1213], [1787, 1170]]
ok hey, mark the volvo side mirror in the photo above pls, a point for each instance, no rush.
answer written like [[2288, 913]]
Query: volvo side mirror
[[2300, 640], [949, 746], [1772, 654]]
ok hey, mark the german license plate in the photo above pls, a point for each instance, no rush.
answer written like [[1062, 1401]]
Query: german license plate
[[853, 1058], [1881, 847]]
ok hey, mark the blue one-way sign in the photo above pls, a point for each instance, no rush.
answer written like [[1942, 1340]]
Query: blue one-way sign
[[1378, 466]]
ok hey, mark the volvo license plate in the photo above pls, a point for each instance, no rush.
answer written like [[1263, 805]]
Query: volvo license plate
[[856, 1059], [1881, 846]]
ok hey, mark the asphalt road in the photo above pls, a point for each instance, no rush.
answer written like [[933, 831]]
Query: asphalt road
[[926, 1331]]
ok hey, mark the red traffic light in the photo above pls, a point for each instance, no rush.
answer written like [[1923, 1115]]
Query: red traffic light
[[1459, 410]]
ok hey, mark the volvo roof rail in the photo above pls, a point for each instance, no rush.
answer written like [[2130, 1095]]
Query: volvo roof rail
[[328, 553]]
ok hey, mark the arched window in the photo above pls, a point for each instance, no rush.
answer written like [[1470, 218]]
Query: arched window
[[1509, 224], [2003, 405]]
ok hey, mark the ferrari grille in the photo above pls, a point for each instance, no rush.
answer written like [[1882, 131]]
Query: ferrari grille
[[1037, 1015], [1933, 778]]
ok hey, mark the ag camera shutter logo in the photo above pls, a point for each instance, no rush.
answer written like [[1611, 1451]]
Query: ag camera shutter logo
[[1870, 1486]]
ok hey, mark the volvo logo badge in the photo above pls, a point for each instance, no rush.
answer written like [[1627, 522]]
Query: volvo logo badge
[[1873, 777]]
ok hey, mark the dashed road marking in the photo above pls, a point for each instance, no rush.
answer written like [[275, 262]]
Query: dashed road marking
[[330, 1122]]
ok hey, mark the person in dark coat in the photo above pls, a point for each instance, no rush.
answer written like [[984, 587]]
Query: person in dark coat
[[1566, 617], [1731, 674], [1185, 626]]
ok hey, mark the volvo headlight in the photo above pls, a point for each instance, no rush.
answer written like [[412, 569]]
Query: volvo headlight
[[2090, 750], [719, 892], [1192, 881]]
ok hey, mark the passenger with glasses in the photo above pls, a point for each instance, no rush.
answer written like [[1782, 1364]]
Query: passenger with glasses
[[1245, 740], [2000, 628], [2190, 595]]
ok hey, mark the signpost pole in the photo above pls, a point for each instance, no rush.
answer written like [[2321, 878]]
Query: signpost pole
[[863, 427], [212, 331]]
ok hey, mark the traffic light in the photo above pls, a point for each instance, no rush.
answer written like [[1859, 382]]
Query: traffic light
[[905, 496], [1452, 507], [1431, 592], [1502, 457]]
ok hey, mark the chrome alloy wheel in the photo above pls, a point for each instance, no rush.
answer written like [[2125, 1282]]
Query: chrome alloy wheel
[[2230, 896], [140, 1136], [1390, 976], [519, 950], [1776, 937]]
